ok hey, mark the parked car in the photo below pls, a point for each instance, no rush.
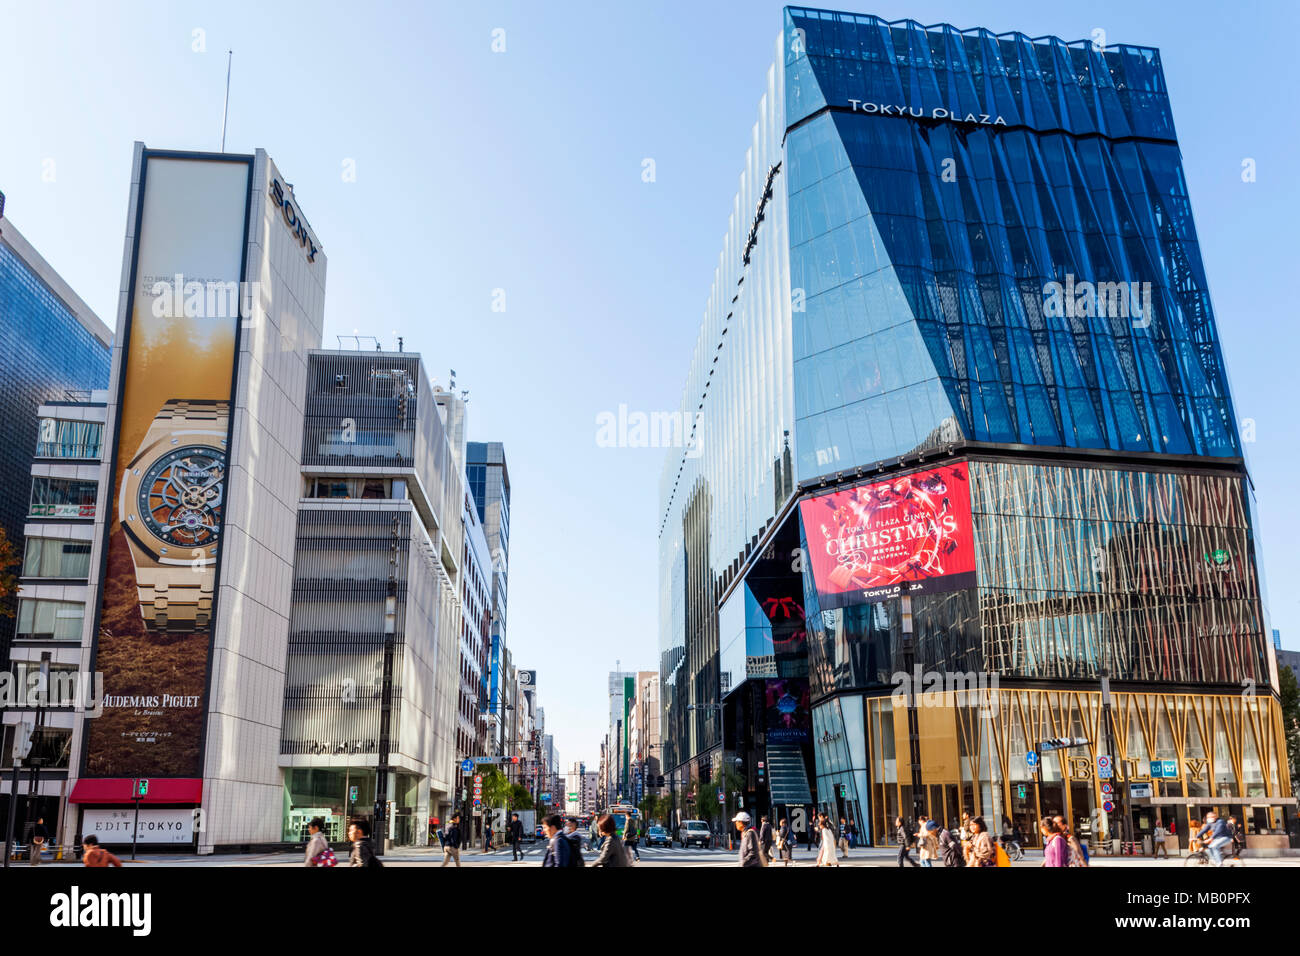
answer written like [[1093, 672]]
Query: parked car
[[658, 836], [695, 832]]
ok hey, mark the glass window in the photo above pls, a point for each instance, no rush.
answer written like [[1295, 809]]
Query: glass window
[[56, 558], [66, 439], [63, 497], [49, 620]]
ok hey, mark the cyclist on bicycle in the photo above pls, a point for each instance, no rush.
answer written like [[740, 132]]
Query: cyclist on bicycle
[[1218, 838]]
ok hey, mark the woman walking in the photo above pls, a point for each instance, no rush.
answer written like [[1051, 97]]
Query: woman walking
[[826, 856], [1055, 849], [981, 844], [904, 841], [612, 851], [783, 846]]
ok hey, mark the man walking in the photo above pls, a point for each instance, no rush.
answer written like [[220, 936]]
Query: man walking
[[451, 841], [575, 841], [362, 853], [487, 835], [39, 836], [516, 836], [557, 844], [843, 841], [765, 839], [751, 854]]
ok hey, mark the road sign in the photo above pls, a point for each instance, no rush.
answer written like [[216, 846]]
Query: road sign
[[478, 780], [1108, 806], [546, 797], [1107, 789], [1139, 791], [1157, 769], [1031, 758], [722, 796], [352, 793], [1104, 769], [467, 766], [1170, 767]]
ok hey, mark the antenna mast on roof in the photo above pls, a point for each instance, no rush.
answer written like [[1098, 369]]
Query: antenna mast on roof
[[225, 107]]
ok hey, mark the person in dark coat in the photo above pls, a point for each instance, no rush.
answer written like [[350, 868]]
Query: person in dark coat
[[612, 850], [516, 835], [903, 837], [362, 853], [765, 837], [557, 844]]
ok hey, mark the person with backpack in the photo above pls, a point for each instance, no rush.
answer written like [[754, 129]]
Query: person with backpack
[[557, 845], [904, 840], [575, 842], [362, 853], [318, 846]]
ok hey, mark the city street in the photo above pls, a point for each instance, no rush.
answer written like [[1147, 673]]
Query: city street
[[875, 857]]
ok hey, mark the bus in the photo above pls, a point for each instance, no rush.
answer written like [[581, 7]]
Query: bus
[[622, 813]]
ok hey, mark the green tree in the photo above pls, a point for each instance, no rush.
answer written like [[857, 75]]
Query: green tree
[[520, 798], [1291, 719], [496, 788]]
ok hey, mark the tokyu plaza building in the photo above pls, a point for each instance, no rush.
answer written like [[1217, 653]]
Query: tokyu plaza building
[[966, 476]]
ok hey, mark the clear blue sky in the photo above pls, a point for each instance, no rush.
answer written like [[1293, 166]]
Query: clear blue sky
[[522, 171]]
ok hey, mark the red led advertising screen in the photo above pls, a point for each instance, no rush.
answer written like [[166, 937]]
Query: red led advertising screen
[[908, 535]]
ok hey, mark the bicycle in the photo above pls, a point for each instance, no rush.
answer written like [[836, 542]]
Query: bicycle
[[1013, 849], [1201, 856]]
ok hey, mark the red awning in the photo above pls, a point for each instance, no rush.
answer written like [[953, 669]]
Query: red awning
[[117, 790]]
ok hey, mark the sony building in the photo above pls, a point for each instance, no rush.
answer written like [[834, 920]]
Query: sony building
[[187, 610]]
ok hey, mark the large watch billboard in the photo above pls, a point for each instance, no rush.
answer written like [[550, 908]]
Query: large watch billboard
[[907, 535], [165, 506]]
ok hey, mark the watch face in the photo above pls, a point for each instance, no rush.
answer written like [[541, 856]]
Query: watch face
[[181, 496]]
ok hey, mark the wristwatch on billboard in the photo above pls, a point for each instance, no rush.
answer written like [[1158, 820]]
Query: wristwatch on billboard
[[170, 505]]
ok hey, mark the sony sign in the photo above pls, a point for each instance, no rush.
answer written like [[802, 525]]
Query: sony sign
[[293, 218], [893, 109]]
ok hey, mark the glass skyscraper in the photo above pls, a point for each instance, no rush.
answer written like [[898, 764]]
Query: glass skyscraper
[[53, 348], [962, 423]]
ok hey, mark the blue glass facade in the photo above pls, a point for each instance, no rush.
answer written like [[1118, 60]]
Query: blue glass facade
[[45, 351], [959, 247], [941, 182]]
